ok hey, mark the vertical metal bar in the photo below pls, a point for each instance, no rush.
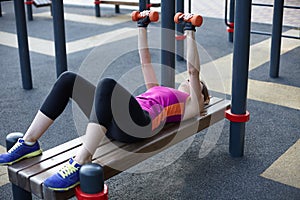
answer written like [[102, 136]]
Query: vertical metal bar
[[231, 19], [142, 5], [117, 8], [59, 36], [240, 75], [168, 43], [51, 10], [29, 10], [190, 6], [23, 44], [0, 10], [276, 38], [179, 29], [97, 8], [18, 193]]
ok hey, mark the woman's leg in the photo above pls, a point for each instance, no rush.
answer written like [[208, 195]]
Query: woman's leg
[[68, 85], [123, 114], [117, 114]]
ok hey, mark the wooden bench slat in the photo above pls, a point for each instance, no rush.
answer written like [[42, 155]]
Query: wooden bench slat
[[41, 3], [120, 3]]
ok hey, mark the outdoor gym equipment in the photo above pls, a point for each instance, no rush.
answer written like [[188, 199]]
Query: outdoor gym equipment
[[239, 82], [153, 15], [276, 34], [196, 20]]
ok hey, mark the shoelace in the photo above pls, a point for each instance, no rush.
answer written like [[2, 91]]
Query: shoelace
[[67, 170], [17, 145]]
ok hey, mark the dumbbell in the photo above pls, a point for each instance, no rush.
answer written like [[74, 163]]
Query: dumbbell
[[196, 20], [153, 15]]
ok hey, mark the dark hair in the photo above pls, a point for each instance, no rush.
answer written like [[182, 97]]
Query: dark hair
[[205, 93]]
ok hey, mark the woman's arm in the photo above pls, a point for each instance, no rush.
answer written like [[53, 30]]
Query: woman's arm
[[145, 58], [195, 104]]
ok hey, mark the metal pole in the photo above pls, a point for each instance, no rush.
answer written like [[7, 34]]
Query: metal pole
[[180, 32], [97, 8], [276, 38], [18, 193], [59, 36], [142, 5], [240, 75], [23, 44], [29, 10], [0, 10], [117, 8], [231, 20], [168, 43]]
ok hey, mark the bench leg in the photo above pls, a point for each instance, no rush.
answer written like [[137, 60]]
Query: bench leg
[[29, 10], [117, 8], [97, 8], [18, 193], [51, 12]]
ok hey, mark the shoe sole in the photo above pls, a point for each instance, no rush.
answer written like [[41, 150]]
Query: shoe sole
[[30, 155], [63, 189]]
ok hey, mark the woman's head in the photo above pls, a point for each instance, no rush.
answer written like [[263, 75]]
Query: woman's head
[[185, 87], [205, 93]]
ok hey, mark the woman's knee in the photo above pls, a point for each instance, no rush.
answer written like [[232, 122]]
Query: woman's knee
[[106, 86], [107, 83], [66, 79]]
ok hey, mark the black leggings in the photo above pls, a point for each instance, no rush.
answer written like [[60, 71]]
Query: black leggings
[[108, 104]]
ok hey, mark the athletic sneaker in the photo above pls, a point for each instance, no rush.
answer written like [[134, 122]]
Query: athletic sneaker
[[19, 151], [66, 178]]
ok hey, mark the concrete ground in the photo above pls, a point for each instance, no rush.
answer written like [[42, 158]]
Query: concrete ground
[[200, 167]]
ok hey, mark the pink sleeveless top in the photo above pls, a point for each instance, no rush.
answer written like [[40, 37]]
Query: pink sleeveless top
[[163, 104]]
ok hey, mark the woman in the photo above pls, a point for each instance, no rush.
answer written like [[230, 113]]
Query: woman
[[113, 111]]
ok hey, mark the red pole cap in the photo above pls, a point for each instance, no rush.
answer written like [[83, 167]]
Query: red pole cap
[[237, 117], [98, 196], [230, 29], [97, 2], [28, 2]]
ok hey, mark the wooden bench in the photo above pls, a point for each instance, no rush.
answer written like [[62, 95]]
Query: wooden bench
[[117, 4], [41, 3], [38, 4], [30, 174]]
